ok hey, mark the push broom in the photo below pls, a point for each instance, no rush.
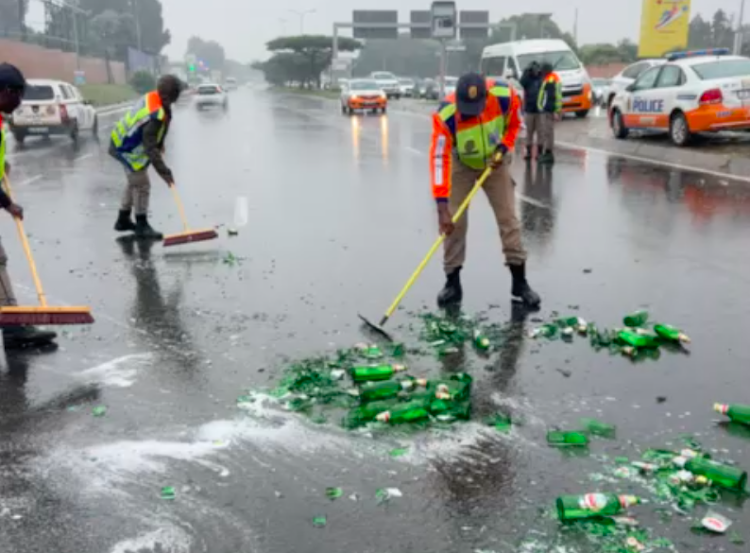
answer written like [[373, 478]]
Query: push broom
[[187, 235], [379, 328], [13, 315]]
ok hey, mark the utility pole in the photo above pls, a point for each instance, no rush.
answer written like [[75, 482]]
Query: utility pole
[[137, 25], [301, 15], [575, 27], [282, 26], [22, 19], [738, 37]]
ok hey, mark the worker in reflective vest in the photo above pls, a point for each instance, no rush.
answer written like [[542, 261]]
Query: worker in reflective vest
[[471, 127], [550, 106], [137, 141], [12, 88]]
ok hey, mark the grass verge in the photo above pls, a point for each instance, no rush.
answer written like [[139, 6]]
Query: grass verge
[[309, 91], [108, 94]]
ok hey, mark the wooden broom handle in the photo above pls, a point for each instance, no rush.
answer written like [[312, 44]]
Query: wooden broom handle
[[27, 250], [181, 209]]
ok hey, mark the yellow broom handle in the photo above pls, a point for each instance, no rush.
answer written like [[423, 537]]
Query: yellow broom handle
[[456, 216], [181, 209], [27, 250]]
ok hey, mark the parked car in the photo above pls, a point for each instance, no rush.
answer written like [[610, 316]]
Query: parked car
[[387, 82], [53, 108], [230, 83], [627, 76], [406, 86], [689, 93], [600, 91], [211, 95], [363, 94]]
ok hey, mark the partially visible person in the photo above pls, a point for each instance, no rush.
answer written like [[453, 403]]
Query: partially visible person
[[550, 107], [138, 142], [12, 88], [474, 128], [531, 81]]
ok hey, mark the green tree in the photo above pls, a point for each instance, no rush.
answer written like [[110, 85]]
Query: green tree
[[700, 34], [721, 30], [316, 50], [109, 34], [12, 17], [402, 56], [154, 36], [284, 69]]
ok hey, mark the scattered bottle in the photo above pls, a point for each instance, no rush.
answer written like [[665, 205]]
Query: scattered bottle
[[408, 412], [389, 389], [671, 333], [567, 439], [167, 492], [725, 476], [451, 410], [367, 413], [544, 331], [599, 428], [639, 318], [685, 477], [738, 413], [567, 333], [375, 372], [577, 507], [481, 342], [637, 340], [456, 388], [370, 351], [576, 323]]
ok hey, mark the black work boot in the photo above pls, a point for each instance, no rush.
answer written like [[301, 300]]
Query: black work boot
[[22, 337], [548, 158], [124, 222], [451, 294], [521, 291], [528, 155], [144, 231]]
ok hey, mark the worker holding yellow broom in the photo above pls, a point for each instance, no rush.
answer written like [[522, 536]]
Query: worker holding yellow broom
[[138, 141], [472, 129], [12, 87]]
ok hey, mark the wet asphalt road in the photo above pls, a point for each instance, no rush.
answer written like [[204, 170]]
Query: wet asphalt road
[[340, 213]]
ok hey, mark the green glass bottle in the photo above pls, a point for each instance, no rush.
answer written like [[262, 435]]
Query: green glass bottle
[[567, 439], [725, 476], [389, 389], [577, 507], [457, 387], [738, 413], [637, 340], [481, 342], [599, 428], [639, 318], [451, 409], [375, 372], [414, 411], [671, 333], [544, 331], [370, 351], [363, 414], [576, 323]]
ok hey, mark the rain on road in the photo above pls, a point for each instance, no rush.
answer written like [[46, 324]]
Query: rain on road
[[340, 214]]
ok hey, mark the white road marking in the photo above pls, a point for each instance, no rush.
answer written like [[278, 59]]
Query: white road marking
[[30, 180], [414, 151], [84, 156]]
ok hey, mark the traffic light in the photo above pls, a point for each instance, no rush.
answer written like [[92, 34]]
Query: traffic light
[[191, 68]]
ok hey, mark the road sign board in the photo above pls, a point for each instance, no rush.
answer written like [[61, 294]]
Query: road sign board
[[444, 20], [421, 17], [382, 19], [474, 24]]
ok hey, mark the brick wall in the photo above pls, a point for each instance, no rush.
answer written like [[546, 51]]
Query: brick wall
[[37, 62]]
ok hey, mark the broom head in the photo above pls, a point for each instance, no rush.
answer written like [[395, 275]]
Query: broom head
[[51, 316], [190, 236]]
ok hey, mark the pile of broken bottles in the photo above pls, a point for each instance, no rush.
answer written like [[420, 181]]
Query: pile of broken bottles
[[636, 340]]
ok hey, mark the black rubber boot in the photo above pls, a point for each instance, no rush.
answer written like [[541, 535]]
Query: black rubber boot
[[521, 291], [22, 337], [124, 222], [528, 156], [547, 158], [451, 294], [144, 231]]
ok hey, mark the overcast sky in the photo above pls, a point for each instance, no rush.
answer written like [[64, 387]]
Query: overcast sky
[[244, 26]]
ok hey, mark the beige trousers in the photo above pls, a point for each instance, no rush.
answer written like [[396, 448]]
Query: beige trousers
[[533, 127], [547, 131], [7, 296], [502, 198], [137, 192]]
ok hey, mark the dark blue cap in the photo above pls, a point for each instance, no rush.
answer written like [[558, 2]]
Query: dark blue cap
[[471, 94], [11, 77]]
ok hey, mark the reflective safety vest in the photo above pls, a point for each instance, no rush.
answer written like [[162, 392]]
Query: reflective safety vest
[[477, 138], [551, 81], [127, 135], [2, 150], [473, 140]]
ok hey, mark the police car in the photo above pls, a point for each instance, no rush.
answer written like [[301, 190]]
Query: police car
[[693, 92]]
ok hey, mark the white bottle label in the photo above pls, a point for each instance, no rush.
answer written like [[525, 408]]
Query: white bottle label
[[593, 502]]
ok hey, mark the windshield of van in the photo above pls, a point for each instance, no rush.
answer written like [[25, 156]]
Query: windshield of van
[[564, 60]]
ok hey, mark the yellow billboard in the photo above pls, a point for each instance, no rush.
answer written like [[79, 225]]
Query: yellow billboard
[[664, 27]]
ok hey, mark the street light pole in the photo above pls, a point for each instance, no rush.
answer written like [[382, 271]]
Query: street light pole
[[137, 25], [738, 38], [301, 14]]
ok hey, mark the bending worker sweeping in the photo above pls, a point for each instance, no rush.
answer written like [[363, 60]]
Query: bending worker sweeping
[[12, 87], [137, 142], [470, 128]]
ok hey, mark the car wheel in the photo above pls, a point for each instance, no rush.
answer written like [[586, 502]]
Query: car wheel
[[679, 130], [19, 136], [582, 114], [383, 110], [343, 109], [618, 125], [74, 132], [610, 100], [95, 129]]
